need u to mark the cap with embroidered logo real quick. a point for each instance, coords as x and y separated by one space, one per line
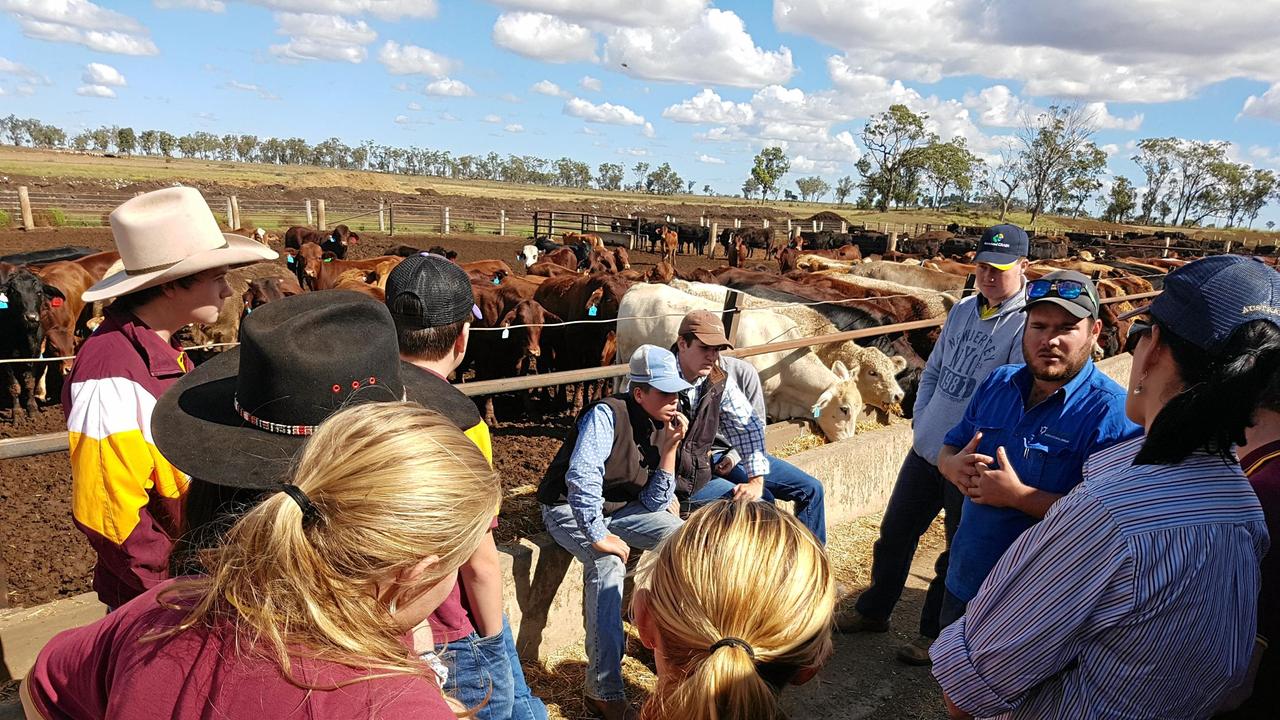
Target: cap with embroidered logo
1002 246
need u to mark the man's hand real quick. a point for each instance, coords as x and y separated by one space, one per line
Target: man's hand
962 468
613 545
751 490
999 486
672 433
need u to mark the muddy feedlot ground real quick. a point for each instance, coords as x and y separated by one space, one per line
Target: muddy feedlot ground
47 558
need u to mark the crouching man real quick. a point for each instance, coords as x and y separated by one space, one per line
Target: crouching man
610 488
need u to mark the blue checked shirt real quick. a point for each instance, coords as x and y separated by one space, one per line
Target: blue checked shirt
738 423
585 477
1135 597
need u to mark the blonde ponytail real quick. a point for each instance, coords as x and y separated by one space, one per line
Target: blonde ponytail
742 597
388 485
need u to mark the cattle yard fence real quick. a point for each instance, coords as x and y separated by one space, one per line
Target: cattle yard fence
58 442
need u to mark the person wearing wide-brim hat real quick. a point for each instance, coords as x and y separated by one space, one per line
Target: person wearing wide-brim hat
235 423
125 495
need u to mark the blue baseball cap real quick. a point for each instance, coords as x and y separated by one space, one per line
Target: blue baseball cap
656 367
1204 301
1002 246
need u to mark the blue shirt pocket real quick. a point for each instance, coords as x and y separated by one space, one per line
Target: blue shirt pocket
1050 465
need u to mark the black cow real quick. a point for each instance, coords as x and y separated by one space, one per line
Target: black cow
22 296
696 238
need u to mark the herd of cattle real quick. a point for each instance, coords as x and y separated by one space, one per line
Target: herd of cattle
579 304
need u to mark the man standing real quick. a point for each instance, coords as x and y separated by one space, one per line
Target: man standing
1025 435
982 333
126 497
715 404
611 487
433 305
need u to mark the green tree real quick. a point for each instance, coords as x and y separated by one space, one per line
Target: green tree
1121 201
47 136
1155 159
1194 165
1053 148
891 139
609 176
641 170
126 140
770 165
750 187
1271 225
844 188
245 145
947 165
706 189
663 181
812 188
166 142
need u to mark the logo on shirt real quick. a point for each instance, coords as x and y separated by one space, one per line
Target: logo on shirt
971 351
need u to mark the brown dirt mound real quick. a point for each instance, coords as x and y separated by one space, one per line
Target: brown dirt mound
826 216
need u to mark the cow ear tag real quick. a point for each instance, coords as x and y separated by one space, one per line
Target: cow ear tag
497 281
591 311
288 259
328 259
55 302
506 333
4 301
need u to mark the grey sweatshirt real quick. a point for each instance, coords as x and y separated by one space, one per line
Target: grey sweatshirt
968 349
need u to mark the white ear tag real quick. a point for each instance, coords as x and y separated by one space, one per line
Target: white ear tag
506 333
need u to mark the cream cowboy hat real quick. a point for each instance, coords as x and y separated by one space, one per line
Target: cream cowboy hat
169 234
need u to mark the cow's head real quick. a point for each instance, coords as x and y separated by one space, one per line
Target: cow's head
837 409
876 374
24 294
528 255
341 234
527 339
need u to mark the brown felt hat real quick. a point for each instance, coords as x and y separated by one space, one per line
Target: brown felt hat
706 326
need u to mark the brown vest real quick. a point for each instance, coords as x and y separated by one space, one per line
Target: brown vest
693 463
633 457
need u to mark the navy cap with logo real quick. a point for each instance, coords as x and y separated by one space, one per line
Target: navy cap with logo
1204 301
1002 246
430 291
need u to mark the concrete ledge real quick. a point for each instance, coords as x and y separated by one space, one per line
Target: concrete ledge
24 631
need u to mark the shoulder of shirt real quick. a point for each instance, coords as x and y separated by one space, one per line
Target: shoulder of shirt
448 400
108 354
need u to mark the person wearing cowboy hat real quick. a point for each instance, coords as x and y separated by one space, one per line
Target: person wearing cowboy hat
125 495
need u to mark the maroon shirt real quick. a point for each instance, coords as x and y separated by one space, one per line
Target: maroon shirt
104 670
1263 468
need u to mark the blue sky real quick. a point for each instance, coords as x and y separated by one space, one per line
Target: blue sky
701 85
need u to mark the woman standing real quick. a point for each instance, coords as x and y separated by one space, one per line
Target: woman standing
1136 596
308 605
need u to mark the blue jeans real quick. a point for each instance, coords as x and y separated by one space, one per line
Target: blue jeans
953 608
489 667
784 482
919 493
602 578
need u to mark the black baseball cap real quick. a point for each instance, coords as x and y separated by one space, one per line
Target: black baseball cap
1002 246
430 291
1060 288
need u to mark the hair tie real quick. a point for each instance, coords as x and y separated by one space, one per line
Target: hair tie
310 513
724 642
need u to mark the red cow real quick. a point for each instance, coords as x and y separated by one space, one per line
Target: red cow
591 298
267 289
491 271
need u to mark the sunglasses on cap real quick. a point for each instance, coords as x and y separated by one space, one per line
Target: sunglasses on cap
1065 289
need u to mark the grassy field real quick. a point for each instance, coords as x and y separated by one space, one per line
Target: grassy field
70 166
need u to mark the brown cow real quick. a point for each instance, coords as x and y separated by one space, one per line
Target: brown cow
359 281
601 262
589 298
670 243
788 256
374 270
64 319
564 257
591 240
98 263
490 271
549 269
514 351
267 289
621 258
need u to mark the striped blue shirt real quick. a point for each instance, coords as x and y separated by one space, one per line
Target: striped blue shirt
1135 597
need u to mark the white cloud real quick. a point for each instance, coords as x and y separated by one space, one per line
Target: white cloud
100 74
1267 106
544 37
415 106
448 87
101 91
606 113
648 130
588 130
1111 149
634 151
450 117
251 87
83 23
510 97
9 67
710 160
322 37
495 119
414 60
719 134
213 6
590 83
707 107
1090 50
546 87
383 9
997 106
1103 118
717 49
401 119
668 13
26 90
514 128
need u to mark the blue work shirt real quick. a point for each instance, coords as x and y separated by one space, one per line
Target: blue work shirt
1046 445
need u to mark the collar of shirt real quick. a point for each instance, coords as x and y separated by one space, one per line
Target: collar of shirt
1254 461
163 359
1023 380
1013 303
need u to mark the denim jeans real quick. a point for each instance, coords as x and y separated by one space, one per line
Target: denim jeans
953 608
487 667
784 482
602 578
918 494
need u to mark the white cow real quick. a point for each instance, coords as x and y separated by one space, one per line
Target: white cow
528 255
795 383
